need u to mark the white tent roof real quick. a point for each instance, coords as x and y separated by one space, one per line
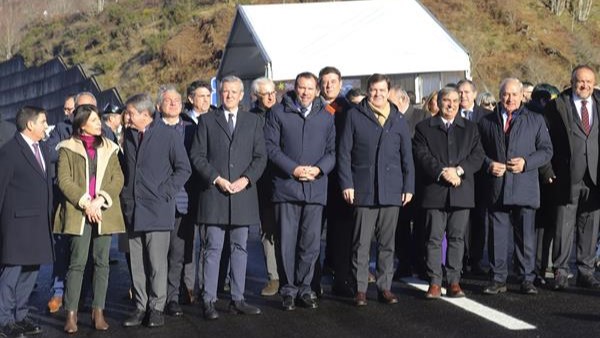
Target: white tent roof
358 37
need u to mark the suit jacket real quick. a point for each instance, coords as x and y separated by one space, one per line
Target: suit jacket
434 149
293 140
154 173
559 115
376 161
528 138
26 205
413 116
215 152
478 113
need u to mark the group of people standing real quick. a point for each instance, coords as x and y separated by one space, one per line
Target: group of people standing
372 169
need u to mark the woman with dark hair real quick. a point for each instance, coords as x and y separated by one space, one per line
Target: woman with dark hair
89 176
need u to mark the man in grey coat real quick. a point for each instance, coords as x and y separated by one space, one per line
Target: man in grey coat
228 152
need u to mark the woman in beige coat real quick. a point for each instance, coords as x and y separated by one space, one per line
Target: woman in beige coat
90 178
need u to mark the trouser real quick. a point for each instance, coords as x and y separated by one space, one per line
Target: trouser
148 251
269 234
580 217
80 249
16 284
181 243
300 226
238 258
454 223
522 222
475 236
338 251
406 245
191 266
380 221
61 263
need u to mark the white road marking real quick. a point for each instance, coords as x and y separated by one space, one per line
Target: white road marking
472 306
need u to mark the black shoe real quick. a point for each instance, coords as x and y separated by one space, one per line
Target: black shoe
12 330
210 312
343 290
29 327
528 288
288 303
174 309
135 319
241 307
156 318
561 281
589 282
494 288
477 270
308 301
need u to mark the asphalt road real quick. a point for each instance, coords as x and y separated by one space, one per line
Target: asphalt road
571 313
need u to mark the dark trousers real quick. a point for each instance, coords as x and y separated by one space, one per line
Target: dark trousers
454 223
181 246
475 236
300 227
338 249
16 284
61 263
580 217
521 220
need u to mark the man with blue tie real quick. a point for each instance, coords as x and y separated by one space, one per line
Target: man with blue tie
26 206
228 152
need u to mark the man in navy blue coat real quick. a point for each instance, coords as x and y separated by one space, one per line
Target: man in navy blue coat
156 167
516 144
300 140
377 176
25 210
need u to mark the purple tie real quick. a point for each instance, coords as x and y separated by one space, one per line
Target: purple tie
585 117
38 156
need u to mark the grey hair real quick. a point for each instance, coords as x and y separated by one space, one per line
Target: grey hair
231 78
400 92
509 80
76 98
444 92
141 102
162 89
485 98
261 81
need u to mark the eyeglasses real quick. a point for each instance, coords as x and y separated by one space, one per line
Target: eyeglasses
273 93
488 104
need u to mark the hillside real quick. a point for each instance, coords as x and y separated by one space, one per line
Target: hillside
136 44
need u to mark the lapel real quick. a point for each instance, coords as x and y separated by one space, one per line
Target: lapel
147 137
220 119
28 154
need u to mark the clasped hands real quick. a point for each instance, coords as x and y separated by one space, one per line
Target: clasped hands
450 175
514 165
93 211
232 187
306 173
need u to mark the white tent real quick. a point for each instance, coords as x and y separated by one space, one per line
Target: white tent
358 37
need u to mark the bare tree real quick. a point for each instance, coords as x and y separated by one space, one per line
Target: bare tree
558 6
8 24
581 10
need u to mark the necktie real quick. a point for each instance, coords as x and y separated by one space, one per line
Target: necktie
448 125
38 155
585 117
230 123
507 124
467 114
140 138
304 111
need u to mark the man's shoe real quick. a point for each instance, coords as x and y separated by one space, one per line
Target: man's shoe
307 301
54 304
156 318
434 292
288 303
455 291
241 307
174 309
210 312
360 299
589 282
477 270
561 281
29 327
342 290
135 319
387 297
528 288
12 330
271 288
494 288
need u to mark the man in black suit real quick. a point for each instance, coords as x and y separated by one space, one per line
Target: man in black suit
475 235
448 151
26 206
228 152
573 121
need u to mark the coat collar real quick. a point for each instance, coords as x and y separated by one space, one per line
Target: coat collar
436 121
28 153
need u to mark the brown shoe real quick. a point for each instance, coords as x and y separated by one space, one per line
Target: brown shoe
454 291
71 322
434 292
54 304
388 297
271 288
361 299
98 320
